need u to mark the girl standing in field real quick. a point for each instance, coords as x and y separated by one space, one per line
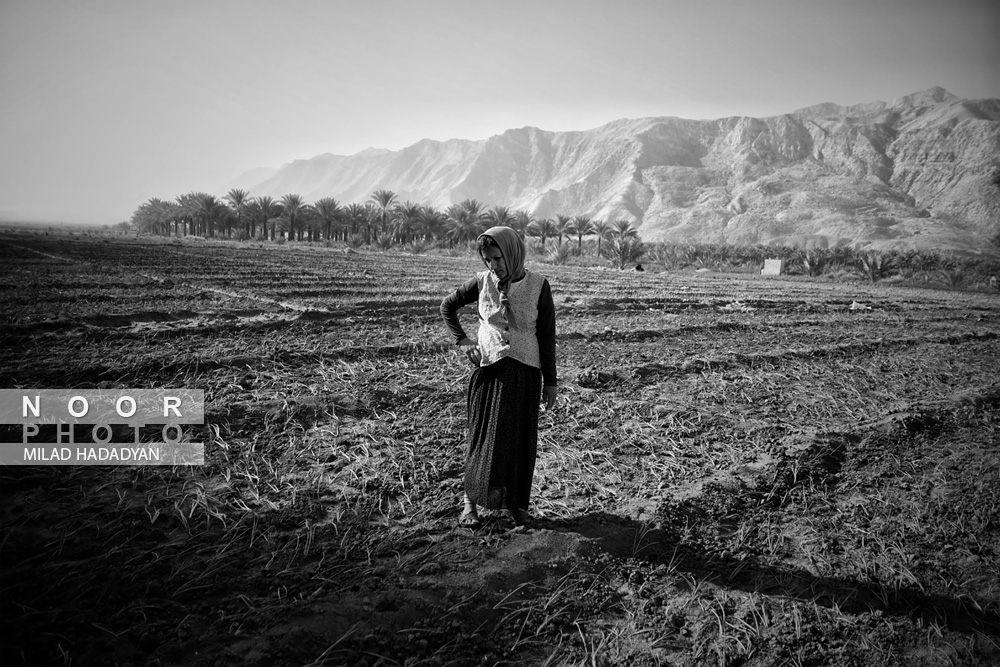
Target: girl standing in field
515 358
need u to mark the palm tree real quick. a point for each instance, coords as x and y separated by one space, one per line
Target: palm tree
355 214
475 208
311 222
562 225
542 229
188 205
624 229
226 221
522 220
238 201
603 231
211 210
464 221
170 212
383 200
499 216
294 206
143 219
167 212
265 209
185 206
370 220
433 223
329 212
582 226
407 217
203 209
155 216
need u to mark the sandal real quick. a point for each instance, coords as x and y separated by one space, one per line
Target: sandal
469 520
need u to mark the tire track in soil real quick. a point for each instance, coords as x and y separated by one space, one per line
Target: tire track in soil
288 305
49 255
219 320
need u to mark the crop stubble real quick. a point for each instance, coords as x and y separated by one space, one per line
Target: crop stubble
740 470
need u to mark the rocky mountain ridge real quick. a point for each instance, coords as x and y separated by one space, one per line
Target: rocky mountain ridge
922 171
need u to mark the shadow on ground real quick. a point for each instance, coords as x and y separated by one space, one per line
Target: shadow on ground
627 538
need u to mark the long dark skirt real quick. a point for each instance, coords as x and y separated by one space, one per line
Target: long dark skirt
503 405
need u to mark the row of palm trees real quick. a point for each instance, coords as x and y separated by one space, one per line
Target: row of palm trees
382 218
386 221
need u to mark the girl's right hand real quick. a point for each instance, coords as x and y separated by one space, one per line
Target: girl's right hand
471 350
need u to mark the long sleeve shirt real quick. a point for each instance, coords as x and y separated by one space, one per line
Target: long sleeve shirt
528 336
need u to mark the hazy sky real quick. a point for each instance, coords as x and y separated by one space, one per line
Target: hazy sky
105 104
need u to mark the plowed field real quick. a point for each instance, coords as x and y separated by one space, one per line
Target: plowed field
740 470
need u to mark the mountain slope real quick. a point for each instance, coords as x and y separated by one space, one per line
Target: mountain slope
922 171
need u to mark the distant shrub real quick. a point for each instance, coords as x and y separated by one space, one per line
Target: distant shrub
623 251
418 246
876 265
535 247
918 260
560 254
814 263
355 241
953 276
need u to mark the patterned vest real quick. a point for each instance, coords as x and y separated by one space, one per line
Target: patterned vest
498 337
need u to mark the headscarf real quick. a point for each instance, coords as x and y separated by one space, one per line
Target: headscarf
512 248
